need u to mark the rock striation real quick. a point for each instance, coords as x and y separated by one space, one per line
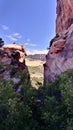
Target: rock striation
60 55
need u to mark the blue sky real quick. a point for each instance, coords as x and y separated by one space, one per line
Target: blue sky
28 22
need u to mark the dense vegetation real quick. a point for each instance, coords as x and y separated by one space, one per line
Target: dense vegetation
48 108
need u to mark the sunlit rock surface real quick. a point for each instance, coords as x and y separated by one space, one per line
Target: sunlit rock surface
60 54
12 60
64 15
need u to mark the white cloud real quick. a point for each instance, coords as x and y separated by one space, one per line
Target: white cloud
17 35
33 45
37 52
27 44
14 36
30 44
28 40
4 27
11 38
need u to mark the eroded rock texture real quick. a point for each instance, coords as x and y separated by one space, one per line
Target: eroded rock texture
60 55
12 60
64 15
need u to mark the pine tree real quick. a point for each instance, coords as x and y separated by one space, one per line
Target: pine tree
1 42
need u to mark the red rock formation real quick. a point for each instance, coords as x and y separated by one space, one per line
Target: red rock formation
64 15
12 56
16 48
12 63
60 55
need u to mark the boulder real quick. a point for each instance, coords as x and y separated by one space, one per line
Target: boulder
12 60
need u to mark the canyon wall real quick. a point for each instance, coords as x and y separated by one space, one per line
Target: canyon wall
60 54
64 12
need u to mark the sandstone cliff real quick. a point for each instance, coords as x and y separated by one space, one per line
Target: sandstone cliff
64 15
12 61
60 55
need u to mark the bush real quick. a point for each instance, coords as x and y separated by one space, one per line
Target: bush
54 107
48 108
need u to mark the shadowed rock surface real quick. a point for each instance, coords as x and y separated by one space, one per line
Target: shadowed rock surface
60 55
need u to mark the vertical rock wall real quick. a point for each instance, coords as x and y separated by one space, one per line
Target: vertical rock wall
60 55
64 12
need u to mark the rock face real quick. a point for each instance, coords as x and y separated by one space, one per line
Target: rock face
64 15
12 60
16 48
60 55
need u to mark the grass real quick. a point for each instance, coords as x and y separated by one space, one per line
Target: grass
35 68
